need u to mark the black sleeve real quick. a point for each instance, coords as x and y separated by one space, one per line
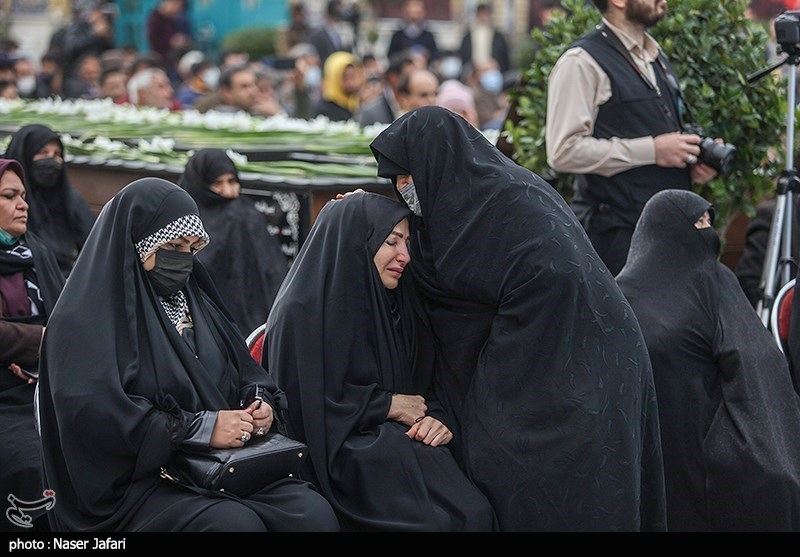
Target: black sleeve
196 431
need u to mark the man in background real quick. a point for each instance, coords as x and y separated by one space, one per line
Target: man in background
482 41
413 35
614 119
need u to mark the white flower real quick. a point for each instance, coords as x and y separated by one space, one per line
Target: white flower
157 145
237 158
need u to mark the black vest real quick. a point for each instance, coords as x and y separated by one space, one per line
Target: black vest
635 109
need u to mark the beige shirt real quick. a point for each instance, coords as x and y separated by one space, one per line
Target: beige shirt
481 36
576 89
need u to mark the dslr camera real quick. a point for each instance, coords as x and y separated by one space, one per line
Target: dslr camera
719 156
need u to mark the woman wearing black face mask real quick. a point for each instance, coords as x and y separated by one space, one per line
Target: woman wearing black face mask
141 360
730 419
58 214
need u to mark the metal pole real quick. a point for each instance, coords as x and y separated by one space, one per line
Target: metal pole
787 217
779 248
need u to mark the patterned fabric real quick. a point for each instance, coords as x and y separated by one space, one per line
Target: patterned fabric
189 225
176 305
18 258
177 309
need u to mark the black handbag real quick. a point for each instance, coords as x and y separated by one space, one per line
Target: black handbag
242 471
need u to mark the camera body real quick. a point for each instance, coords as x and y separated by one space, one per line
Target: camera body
719 156
787 30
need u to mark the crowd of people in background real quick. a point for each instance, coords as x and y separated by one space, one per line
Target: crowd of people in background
315 72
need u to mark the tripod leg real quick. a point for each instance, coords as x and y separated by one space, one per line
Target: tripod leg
767 286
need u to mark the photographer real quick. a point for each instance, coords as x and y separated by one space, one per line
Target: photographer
614 119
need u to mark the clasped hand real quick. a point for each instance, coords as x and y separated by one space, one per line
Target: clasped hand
410 410
232 426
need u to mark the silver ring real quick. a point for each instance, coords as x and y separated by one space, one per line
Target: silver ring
244 437
691 159
260 431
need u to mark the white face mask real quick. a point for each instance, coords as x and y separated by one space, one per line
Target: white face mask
211 77
26 84
450 68
313 77
409 195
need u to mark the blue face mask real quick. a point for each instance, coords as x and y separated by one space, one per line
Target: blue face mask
492 81
409 195
7 239
313 77
450 68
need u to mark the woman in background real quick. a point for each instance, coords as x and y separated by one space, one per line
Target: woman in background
57 214
342 81
730 419
244 259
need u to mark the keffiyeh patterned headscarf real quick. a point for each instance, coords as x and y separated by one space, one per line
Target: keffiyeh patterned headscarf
190 225
175 305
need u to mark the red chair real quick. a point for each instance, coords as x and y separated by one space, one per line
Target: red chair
781 313
255 342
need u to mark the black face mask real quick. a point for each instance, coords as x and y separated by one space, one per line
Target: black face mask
711 239
45 172
171 272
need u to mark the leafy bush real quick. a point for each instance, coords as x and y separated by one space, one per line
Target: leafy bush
713 47
255 41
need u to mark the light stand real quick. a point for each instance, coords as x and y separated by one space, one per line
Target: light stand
778 257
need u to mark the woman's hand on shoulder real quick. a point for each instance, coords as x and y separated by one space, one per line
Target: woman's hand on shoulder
430 431
407 409
343 195
233 428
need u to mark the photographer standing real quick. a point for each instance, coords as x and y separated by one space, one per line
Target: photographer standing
614 120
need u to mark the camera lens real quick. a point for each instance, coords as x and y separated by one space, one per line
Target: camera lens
719 156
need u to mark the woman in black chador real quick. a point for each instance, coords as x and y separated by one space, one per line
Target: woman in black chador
140 360
730 420
340 343
30 283
539 356
244 260
58 214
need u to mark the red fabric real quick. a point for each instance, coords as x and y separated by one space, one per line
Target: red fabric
784 314
257 348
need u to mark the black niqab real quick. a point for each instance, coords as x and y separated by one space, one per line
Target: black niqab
119 384
340 344
244 260
539 355
730 420
57 213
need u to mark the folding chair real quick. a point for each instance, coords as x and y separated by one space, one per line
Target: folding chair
781 313
255 342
